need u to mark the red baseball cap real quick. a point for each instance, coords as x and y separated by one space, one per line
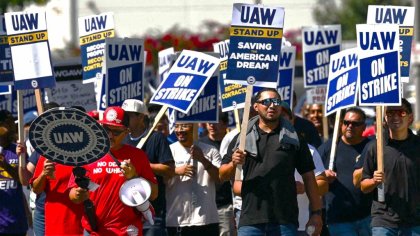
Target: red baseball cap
113 116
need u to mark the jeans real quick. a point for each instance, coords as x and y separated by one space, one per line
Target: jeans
158 229
226 220
388 231
268 229
355 228
237 217
39 222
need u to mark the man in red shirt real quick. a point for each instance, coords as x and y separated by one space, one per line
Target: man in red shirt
62 217
112 216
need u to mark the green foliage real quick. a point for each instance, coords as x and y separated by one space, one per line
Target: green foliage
4 4
348 13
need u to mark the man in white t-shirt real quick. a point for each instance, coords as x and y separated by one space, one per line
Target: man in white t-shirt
190 195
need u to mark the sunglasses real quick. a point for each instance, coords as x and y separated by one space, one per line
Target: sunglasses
400 113
113 131
267 102
353 123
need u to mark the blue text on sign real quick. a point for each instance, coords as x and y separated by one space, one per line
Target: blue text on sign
390 15
124 52
25 22
377 40
285 59
318 37
195 64
344 62
95 23
258 15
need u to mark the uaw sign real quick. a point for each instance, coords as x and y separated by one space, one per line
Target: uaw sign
205 108
69 137
319 43
28 39
124 70
342 81
6 65
404 17
379 69
187 78
287 74
92 32
255 40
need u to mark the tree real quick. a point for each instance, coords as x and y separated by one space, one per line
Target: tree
348 13
5 4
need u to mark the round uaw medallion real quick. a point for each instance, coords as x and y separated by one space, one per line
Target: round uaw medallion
68 136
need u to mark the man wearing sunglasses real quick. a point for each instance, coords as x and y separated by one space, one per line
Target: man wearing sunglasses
124 162
347 208
399 214
273 151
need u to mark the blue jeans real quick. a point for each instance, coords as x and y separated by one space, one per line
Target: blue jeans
158 229
387 231
268 229
355 228
39 222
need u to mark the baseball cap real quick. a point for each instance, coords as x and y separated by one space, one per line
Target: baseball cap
134 105
28 117
94 114
114 116
286 106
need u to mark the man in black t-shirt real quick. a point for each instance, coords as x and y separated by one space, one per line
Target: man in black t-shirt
159 154
399 214
272 153
347 208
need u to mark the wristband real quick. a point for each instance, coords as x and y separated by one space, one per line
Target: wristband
316 212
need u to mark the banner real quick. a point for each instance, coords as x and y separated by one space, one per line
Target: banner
287 74
404 17
255 40
205 108
28 39
124 70
377 50
6 65
69 89
318 44
187 78
92 32
342 81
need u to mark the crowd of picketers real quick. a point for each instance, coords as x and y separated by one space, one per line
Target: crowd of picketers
284 182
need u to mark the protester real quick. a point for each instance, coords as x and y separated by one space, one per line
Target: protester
215 134
399 214
158 153
315 115
37 201
272 153
321 180
190 195
304 128
113 217
347 208
13 220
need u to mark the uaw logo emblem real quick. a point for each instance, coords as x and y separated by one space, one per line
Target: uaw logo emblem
68 136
